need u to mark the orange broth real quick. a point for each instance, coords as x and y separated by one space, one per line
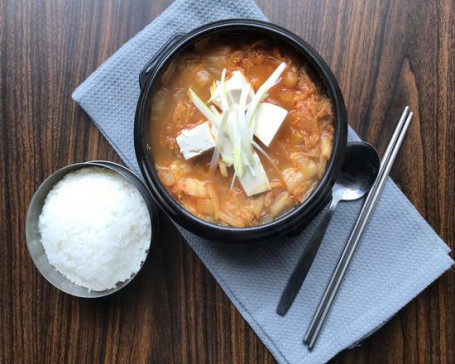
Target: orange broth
300 150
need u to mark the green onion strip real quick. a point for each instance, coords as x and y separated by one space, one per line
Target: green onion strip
237 122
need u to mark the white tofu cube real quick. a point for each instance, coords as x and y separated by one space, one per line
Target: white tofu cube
234 87
195 141
254 179
269 118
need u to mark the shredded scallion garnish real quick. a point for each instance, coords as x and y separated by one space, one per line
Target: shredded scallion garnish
203 108
235 123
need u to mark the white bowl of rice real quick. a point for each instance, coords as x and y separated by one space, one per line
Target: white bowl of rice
89 228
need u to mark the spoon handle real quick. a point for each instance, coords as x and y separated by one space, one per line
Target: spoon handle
305 261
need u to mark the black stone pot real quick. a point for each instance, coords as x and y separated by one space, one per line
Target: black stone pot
292 222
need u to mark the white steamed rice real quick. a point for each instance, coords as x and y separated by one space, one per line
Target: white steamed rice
95 228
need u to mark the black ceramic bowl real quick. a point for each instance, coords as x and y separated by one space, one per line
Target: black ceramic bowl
293 221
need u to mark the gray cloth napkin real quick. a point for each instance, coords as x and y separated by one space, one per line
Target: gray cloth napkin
398 257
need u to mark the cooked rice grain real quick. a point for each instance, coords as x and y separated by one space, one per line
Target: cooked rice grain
95 228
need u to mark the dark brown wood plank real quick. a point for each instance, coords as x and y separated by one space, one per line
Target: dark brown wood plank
385 54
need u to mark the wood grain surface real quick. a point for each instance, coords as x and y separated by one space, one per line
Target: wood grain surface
385 54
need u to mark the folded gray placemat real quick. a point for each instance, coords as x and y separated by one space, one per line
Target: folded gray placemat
398 257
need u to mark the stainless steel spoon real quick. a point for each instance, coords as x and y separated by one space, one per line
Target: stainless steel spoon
358 173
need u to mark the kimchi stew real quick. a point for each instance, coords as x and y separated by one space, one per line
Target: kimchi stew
241 130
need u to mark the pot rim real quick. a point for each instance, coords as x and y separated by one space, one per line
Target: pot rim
177 212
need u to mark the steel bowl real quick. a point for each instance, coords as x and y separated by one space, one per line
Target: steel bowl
34 239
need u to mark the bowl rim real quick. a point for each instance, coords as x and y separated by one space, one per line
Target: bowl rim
32 234
165 200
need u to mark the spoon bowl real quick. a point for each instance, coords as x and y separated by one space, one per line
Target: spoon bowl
358 171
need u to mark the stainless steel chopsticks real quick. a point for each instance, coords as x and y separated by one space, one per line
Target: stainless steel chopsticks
348 252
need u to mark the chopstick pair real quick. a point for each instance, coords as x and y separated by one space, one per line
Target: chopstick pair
343 263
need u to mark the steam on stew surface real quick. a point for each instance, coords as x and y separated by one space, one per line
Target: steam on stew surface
241 131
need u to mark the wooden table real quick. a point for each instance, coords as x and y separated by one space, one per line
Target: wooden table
385 54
